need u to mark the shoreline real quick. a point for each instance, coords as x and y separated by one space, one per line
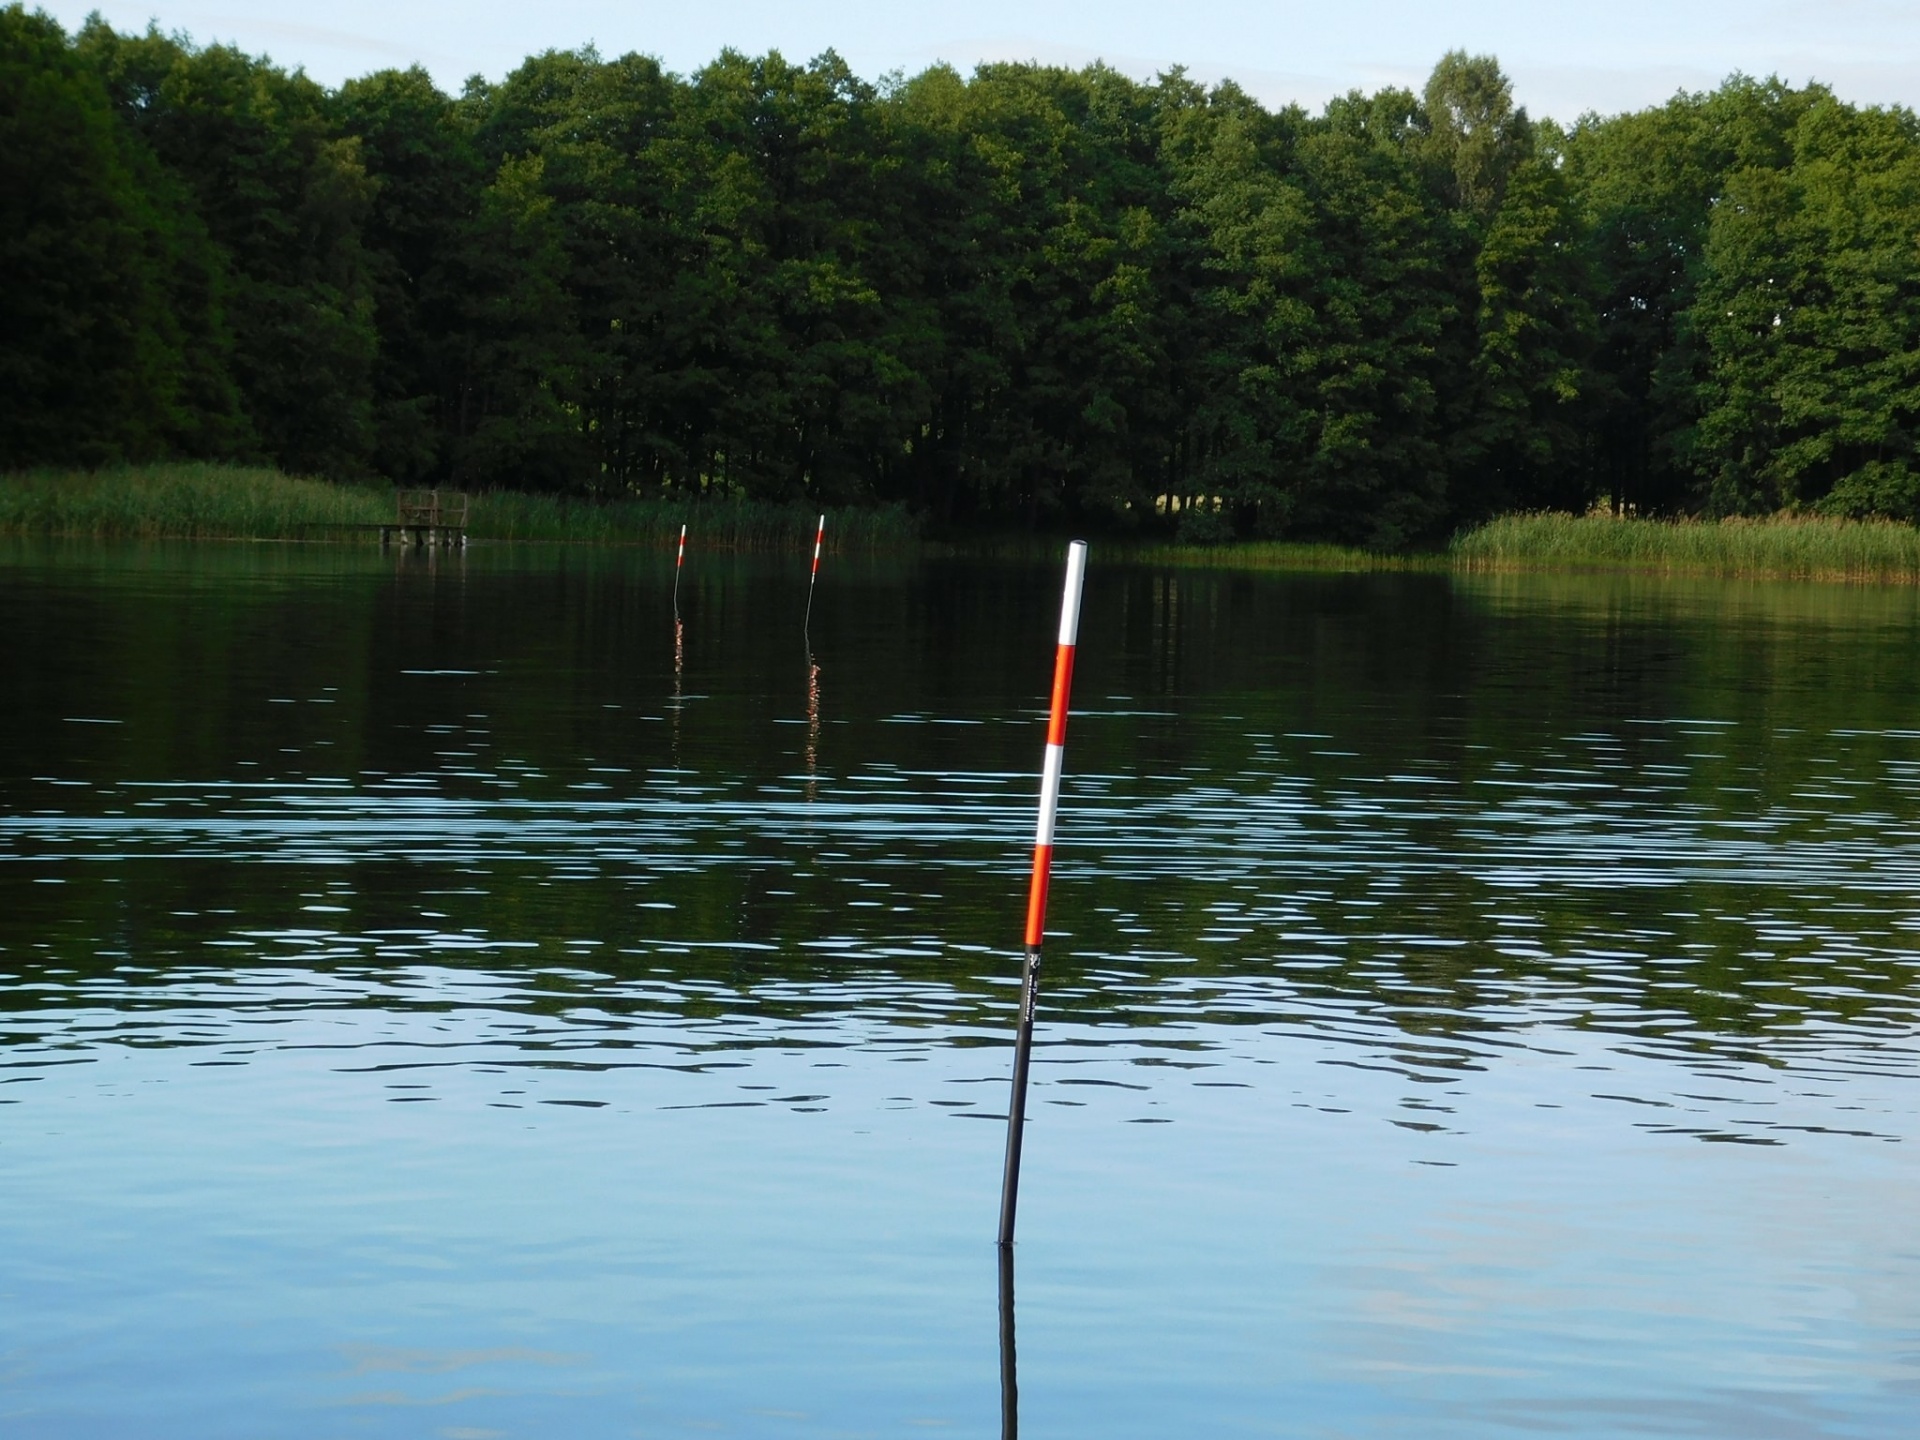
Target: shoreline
192 502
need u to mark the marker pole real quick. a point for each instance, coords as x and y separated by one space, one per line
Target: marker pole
806 625
679 562
1042 873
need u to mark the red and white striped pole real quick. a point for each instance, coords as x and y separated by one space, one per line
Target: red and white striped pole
1042 872
819 536
679 562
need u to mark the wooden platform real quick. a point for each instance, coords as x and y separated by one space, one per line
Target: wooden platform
425 518
429 517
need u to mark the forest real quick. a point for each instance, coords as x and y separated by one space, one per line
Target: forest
1022 298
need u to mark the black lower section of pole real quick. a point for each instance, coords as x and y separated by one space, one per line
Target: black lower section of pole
1017 1106
1009 1367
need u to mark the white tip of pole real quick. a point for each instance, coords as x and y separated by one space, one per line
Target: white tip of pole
1070 601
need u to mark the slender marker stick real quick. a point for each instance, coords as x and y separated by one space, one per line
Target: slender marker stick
1042 873
819 535
679 561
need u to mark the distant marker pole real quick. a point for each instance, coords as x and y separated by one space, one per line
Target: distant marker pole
806 625
1042 872
679 563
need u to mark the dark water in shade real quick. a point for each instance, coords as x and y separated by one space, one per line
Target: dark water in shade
1478 1007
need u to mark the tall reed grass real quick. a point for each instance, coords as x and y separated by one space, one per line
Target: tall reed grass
195 501
182 501
1781 548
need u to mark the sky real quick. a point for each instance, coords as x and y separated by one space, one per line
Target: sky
1564 59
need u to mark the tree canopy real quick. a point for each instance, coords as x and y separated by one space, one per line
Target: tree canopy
1021 297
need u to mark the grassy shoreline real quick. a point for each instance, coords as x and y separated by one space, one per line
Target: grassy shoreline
225 502
1775 548
185 502
197 501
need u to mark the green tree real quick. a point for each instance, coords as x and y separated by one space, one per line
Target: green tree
1809 317
419 234
1647 186
112 343
1474 131
1523 443
283 197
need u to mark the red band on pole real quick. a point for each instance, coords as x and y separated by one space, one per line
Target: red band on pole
681 558
1062 688
818 536
1037 895
1056 747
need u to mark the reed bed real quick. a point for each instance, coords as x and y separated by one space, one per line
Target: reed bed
1779 548
232 502
189 501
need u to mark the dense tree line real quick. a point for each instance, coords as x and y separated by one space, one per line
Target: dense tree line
1028 294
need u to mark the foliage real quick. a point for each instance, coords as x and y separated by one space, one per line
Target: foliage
282 198
1809 310
110 334
1026 297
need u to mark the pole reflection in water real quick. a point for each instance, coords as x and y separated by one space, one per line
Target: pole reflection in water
679 677
813 726
1009 1366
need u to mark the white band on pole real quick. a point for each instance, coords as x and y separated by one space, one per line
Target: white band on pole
1049 794
1070 600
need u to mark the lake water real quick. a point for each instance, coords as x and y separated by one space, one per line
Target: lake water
439 999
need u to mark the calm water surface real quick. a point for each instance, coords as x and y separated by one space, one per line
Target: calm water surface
438 999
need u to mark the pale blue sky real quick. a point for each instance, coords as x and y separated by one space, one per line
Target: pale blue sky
1564 59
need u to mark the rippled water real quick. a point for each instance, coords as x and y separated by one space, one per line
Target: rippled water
441 999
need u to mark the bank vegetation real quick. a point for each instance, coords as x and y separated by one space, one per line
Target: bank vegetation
206 501
1022 298
198 501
